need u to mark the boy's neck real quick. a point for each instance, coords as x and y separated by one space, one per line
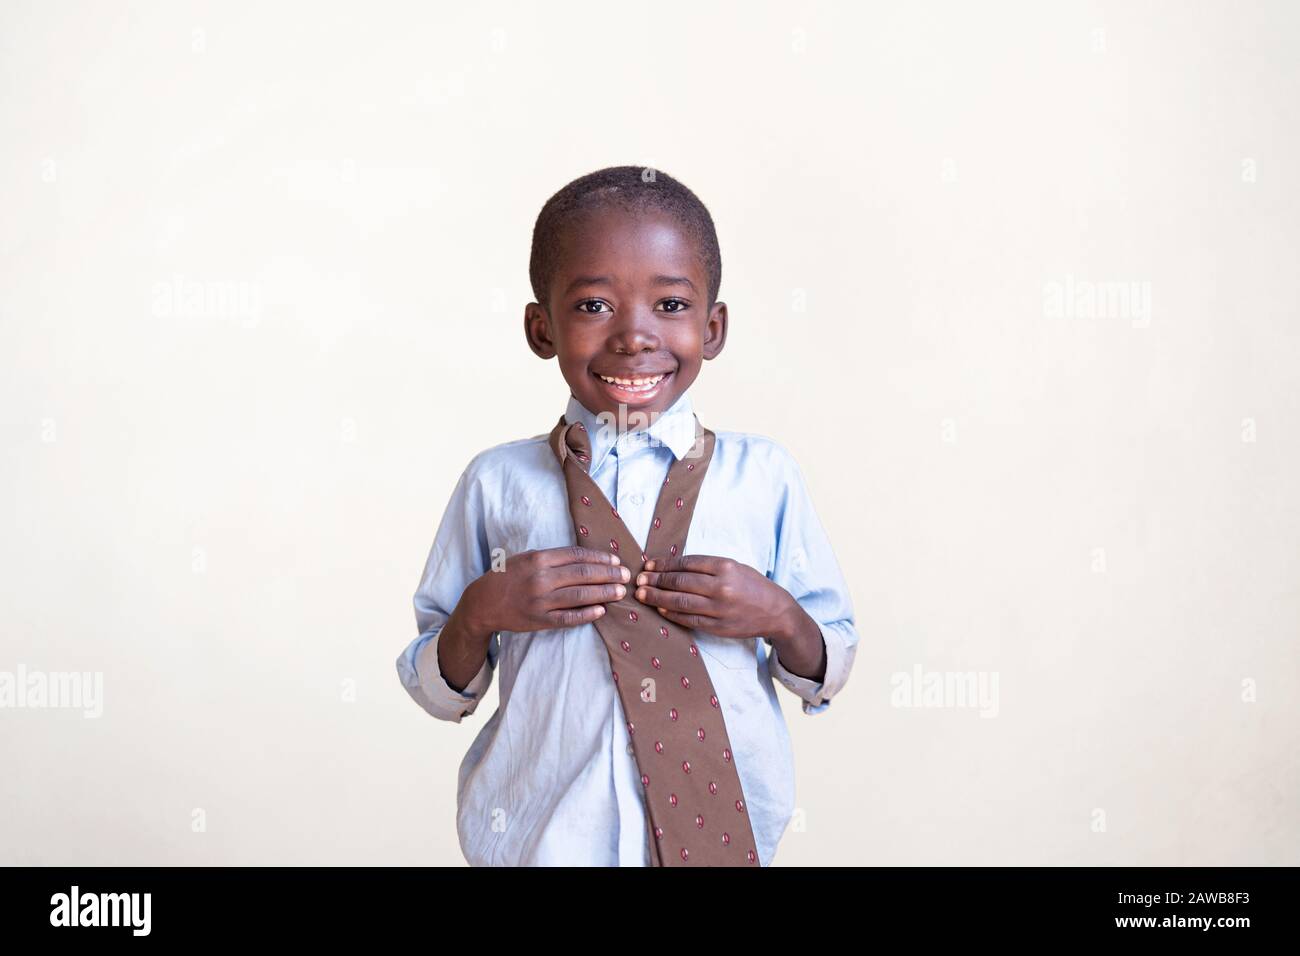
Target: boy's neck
627 419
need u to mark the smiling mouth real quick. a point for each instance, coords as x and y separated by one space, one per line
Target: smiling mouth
636 387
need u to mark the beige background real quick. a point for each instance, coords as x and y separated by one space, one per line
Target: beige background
223 501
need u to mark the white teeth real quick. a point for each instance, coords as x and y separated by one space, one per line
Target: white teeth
633 384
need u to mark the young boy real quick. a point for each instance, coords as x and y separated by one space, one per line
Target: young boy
684 758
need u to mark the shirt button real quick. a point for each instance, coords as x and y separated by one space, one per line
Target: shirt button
638 498
630 750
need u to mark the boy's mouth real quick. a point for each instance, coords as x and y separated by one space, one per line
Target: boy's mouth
633 389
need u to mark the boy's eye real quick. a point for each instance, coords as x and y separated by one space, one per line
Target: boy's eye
597 306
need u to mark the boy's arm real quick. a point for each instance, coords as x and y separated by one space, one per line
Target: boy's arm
804 564
459 556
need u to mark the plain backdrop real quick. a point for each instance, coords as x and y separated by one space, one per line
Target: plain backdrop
263 278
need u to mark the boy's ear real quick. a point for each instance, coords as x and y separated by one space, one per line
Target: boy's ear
715 331
537 329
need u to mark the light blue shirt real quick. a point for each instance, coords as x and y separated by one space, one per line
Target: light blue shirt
551 779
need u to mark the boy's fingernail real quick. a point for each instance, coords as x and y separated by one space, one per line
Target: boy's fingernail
641 579
627 573
616 560
620 590
649 565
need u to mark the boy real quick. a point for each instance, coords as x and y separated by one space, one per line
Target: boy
684 758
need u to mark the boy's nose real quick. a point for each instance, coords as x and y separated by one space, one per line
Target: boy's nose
637 332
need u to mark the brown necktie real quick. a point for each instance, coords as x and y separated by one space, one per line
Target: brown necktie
695 806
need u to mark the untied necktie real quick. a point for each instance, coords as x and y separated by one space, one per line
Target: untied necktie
695 806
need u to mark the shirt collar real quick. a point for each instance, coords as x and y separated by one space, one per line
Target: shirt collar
674 428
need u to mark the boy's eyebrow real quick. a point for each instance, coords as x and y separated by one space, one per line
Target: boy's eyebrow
605 280
674 280
586 280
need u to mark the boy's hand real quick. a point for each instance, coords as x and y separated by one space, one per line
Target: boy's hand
716 595
550 588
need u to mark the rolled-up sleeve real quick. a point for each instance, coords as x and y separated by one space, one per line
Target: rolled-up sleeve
459 555
805 565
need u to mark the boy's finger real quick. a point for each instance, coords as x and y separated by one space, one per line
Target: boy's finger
576 554
674 600
692 621
575 616
678 581
700 563
585 595
588 573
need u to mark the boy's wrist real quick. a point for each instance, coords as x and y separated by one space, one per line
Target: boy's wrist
799 643
474 613
787 621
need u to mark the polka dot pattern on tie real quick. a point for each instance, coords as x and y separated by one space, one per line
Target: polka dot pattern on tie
694 799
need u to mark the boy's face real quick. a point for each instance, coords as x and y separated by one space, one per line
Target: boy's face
629 300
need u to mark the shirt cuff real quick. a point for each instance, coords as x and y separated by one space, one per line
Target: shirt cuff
813 693
424 681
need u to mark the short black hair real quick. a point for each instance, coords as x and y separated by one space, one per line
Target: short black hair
638 189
